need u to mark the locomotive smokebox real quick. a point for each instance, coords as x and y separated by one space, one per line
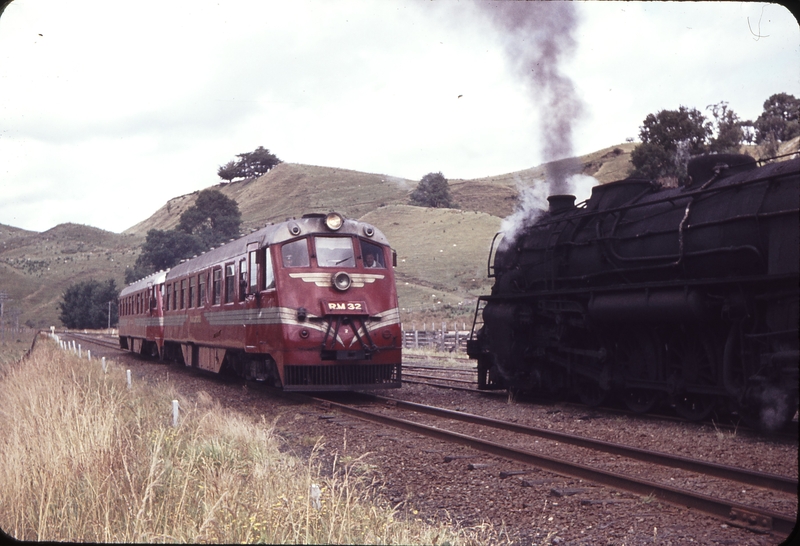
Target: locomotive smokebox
561 203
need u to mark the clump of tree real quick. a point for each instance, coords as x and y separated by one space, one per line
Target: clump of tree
86 304
432 191
250 164
212 220
779 122
670 137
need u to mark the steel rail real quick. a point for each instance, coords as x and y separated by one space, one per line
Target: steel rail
420 376
92 339
753 518
453 387
749 477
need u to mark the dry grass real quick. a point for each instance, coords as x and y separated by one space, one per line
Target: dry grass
87 459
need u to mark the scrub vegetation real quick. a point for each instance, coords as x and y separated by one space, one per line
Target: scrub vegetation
87 459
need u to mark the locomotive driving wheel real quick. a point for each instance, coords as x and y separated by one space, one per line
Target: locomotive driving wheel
638 358
690 362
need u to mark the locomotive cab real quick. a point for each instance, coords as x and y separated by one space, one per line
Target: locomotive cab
341 290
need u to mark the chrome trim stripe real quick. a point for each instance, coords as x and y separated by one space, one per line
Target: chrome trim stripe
173 320
357 280
268 315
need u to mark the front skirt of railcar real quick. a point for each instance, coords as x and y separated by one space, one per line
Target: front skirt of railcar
357 352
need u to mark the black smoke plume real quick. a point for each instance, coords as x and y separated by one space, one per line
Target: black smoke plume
539 37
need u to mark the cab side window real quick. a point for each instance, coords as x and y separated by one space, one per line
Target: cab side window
269 276
295 254
372 256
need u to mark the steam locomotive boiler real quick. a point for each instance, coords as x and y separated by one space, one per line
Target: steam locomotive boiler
685 296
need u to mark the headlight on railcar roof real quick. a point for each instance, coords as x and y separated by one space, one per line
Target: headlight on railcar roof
334 221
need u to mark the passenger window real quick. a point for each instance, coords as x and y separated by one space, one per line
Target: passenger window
169 296
192 291
295 254
217 286
201 291
372 256
242 279
335 252
230 282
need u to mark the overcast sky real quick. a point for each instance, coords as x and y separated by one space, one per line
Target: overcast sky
110 108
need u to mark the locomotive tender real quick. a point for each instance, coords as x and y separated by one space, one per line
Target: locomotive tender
307 305
686 296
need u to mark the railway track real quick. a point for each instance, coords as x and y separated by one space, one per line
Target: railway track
107 341
755 518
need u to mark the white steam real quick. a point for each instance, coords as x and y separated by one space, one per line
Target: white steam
533 203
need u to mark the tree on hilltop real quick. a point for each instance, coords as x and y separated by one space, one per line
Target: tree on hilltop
669 138
250 164
432 191
779 122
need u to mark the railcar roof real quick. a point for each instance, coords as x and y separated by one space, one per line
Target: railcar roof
269 235
141 284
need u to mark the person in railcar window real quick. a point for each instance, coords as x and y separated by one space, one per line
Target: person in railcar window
372 256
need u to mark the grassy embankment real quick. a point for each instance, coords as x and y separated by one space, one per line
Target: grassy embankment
87 459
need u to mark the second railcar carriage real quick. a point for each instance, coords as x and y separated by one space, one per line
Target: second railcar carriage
687 295
307 304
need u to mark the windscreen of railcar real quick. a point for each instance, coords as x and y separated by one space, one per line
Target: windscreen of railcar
335 252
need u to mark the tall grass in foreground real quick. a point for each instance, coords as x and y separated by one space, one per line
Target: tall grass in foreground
83 458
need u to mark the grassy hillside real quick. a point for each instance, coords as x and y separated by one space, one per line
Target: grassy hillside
442 253
441 259
36 268
292 190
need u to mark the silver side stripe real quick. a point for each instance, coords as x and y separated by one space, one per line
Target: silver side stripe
357 280
273 315
172 320
269 315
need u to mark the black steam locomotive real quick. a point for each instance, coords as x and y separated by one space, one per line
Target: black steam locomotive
684 296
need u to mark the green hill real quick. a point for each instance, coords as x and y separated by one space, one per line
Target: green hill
36 268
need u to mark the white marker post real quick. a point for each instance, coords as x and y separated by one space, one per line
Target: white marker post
104 364
88 354
129 379
175 412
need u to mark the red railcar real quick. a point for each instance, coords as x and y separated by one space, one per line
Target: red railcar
140 315
306 304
